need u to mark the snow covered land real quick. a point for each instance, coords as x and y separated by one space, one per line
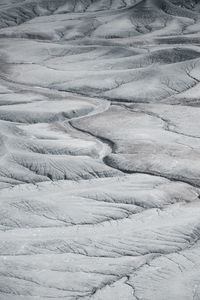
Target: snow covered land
100 149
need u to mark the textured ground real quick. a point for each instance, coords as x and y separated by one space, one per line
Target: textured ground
100 149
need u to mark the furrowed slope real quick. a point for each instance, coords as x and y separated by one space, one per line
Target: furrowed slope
99 149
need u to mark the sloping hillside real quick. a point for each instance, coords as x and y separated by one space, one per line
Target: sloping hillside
100 149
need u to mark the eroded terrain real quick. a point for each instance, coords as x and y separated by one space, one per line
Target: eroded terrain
100 149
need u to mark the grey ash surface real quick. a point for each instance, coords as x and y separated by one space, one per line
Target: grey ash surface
100 149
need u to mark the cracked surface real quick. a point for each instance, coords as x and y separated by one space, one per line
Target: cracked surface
99 150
